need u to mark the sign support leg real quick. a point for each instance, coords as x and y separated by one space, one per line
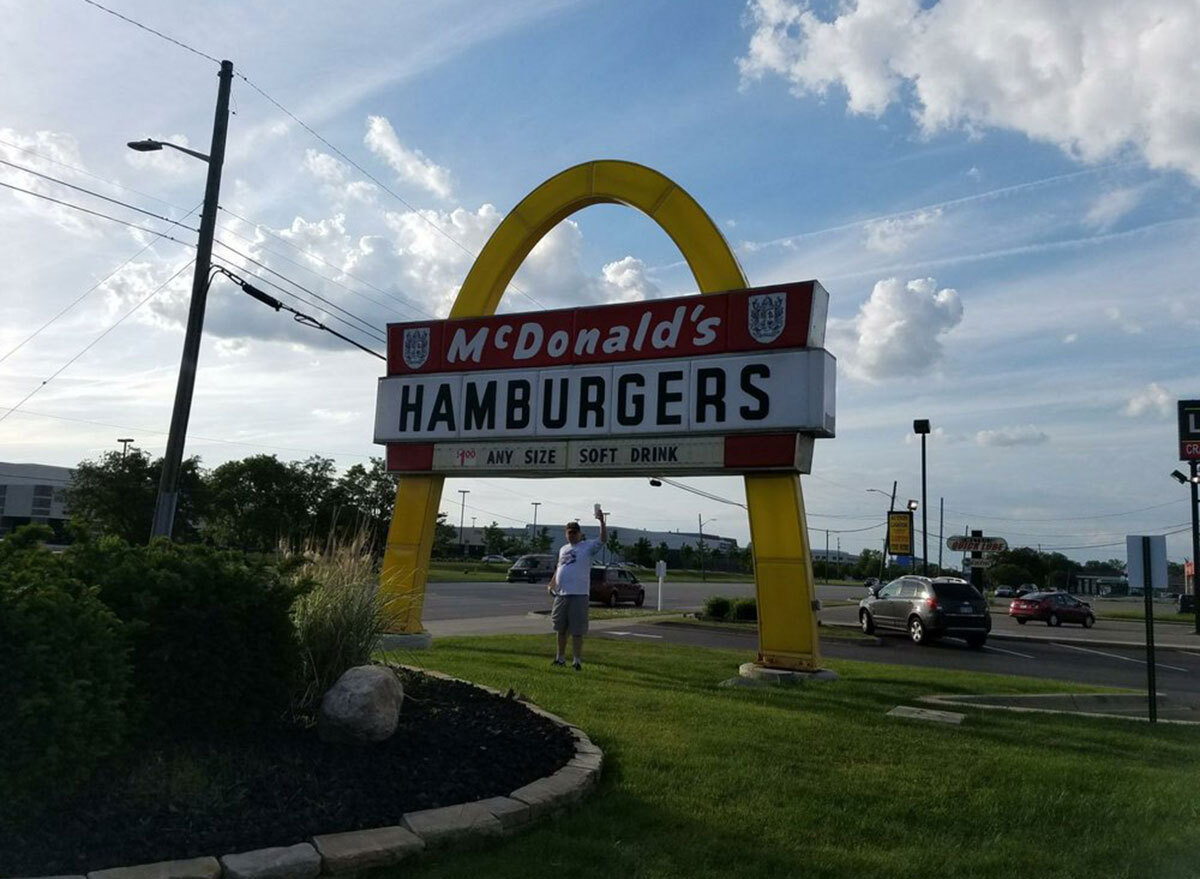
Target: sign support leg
783 576
406 557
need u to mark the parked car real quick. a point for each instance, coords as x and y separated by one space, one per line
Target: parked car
1185 604
871 582
1053 608
614 584
928 609
532 569
493 558
1005 592
1026 589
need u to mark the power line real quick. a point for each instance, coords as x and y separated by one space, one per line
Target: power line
312 271
151 30
1062 518
88 173
84 210
90 192
90 344
191 436
86 293
370 330
299 317
375 180
406 300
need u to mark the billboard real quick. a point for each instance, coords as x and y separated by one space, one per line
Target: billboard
728 382
1189 430
900 533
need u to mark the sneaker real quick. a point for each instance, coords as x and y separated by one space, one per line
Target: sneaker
558 661
577 665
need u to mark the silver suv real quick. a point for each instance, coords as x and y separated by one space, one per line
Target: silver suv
927 609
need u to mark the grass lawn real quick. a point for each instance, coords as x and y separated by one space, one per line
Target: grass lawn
467 572
620 613
1159 617
703 781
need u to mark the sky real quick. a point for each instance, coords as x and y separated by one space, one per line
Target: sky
1002 199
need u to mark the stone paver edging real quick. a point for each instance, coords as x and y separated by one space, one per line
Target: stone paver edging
460 826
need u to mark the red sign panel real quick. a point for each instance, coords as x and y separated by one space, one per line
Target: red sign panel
761 318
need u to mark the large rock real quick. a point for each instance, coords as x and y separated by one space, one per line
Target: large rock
363 706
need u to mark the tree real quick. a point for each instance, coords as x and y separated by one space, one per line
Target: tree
687 555
445 537
115 494
493 540
542 542
260 502
361 504
643 552
1009 575
660 554
614 544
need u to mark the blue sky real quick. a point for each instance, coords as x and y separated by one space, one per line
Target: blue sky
1002 203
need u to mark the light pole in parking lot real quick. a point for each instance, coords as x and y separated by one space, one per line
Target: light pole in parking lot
921 427
891 507
1193 481
912 561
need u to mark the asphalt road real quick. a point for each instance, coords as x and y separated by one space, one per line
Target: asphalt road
1069 653
1177 671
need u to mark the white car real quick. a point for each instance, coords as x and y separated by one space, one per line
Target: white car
494 558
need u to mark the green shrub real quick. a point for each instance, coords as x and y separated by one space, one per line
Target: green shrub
339 618
64 673
745 610
214 651
717 607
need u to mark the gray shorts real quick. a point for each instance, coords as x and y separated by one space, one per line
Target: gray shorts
570 614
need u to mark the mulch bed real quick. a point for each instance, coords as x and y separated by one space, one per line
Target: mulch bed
454 744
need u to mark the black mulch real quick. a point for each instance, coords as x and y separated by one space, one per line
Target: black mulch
455 743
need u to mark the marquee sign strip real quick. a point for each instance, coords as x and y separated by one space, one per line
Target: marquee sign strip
683 455
755 319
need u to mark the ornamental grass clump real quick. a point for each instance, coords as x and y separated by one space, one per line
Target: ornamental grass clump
339 618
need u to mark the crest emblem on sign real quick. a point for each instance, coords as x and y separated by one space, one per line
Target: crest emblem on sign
416 347
768 314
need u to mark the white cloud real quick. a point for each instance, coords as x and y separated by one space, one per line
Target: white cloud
335 416
1127 325
627 282
1070 338
1027 435
60 150
1112 205
893 235
897 330
334 175
1093 77
1152 399
410 166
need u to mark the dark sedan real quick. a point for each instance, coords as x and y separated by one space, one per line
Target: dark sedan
1052 608
927 609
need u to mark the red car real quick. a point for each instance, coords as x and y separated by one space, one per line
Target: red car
1052 608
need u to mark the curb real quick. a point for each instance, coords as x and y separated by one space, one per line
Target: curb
461 826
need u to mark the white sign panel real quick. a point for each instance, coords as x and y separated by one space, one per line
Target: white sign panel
1135 562
790 390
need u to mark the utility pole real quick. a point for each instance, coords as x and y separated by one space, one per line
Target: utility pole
941 528
535 504
891 508
168 486
462 509
124 441
838 574
1195 543
700 545
825 566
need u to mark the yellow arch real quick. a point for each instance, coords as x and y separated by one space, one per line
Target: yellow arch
787 626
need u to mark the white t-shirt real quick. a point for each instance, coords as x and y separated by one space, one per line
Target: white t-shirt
575 567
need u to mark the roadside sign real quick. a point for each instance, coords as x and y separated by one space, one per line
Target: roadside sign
1136 566
978 562
900 532
660 569
1189 430
962 543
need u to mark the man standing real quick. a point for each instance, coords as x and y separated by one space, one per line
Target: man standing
573 579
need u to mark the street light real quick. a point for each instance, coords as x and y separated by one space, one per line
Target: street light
912 508
1193 482
700 527
891 506
921 427
168 485
124 441
462 538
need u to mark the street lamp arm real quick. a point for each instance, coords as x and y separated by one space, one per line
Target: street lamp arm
150 145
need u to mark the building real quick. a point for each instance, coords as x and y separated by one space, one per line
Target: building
33 493
472 537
